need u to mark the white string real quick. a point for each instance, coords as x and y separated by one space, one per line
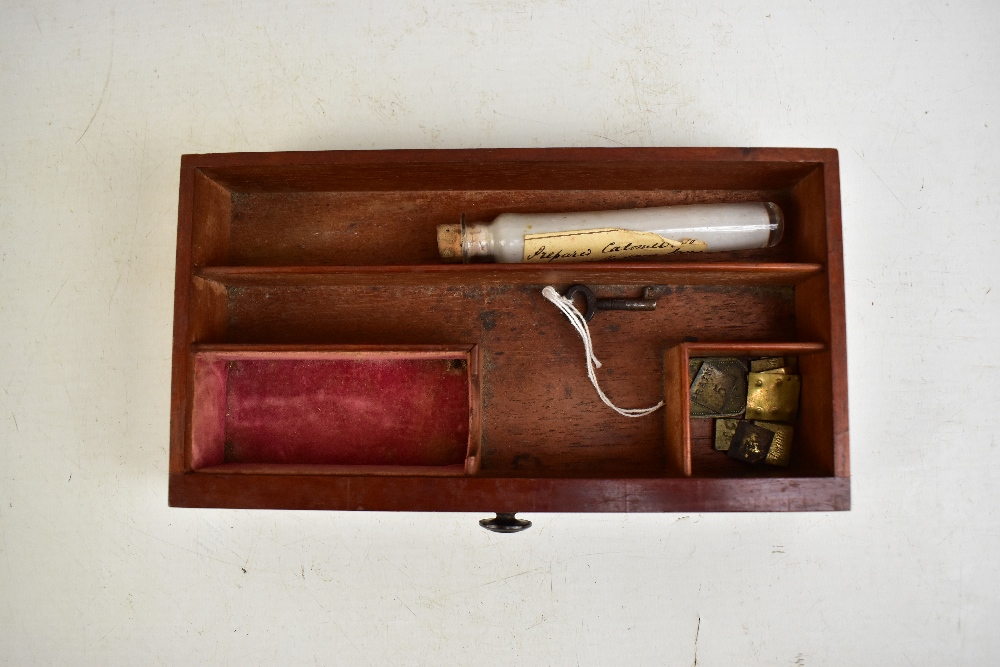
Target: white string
580 324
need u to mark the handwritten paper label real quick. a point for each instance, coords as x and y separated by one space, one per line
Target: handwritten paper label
590 245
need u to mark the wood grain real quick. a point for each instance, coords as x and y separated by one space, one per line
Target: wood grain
489 494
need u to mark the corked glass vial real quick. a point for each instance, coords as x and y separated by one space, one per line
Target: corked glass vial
636 234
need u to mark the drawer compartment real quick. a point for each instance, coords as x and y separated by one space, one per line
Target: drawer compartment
375 410
690 440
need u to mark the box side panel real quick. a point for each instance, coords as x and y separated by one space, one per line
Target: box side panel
478 494
838 317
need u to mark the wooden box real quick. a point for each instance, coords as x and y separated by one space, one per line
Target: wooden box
322 258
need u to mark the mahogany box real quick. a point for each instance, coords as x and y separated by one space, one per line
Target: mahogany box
324 356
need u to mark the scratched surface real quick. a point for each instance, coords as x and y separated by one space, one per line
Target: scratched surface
98 100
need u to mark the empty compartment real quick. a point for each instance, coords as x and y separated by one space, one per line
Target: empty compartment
410 410
690 441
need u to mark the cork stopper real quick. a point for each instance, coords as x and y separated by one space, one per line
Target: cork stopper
449 239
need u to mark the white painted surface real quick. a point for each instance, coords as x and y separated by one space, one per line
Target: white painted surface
97 103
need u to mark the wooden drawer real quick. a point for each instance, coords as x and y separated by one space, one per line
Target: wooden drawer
322 253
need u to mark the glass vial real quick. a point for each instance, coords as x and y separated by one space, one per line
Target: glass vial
637 234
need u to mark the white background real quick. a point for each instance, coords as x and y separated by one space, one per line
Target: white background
98 102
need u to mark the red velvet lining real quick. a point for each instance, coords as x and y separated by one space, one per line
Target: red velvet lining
358 411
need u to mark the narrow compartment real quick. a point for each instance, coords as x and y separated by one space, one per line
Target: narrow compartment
402 410
350 211
690 440
400 228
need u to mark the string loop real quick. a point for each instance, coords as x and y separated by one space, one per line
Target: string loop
580 324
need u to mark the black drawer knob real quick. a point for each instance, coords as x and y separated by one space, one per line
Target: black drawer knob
504 522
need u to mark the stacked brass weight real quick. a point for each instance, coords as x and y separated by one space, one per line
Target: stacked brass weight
718 387
781 445
771 397
751 443
725 429
773 394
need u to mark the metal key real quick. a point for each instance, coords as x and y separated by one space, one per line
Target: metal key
594 304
